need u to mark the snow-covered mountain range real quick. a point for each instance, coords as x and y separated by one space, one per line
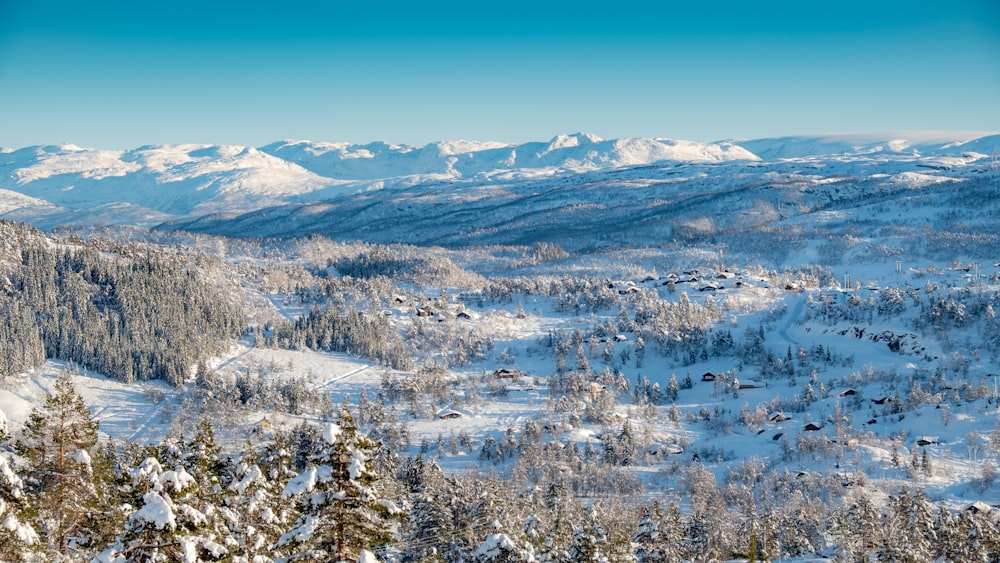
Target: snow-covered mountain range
56 185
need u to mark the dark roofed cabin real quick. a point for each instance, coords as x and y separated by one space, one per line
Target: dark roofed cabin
505 373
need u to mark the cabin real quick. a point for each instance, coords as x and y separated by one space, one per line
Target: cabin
262 427
506 373
708 376
779 417
614 417
663 450
597 388
979 507
448 414
812 427
882 400
927 440
848 393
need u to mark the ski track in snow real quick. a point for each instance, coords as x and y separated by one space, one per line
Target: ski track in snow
338 379
793 317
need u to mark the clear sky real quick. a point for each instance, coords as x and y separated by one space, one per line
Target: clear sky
117 74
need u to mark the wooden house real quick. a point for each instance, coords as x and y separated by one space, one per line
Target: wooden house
506 373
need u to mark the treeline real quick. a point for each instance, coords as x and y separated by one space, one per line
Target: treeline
333 329
331 492
137 314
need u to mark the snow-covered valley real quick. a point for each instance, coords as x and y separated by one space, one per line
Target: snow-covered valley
782 339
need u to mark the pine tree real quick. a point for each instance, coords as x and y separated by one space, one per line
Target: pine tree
907 528
342 513
165 526
57 439
559 522
658 537
490 450
587 543
499 548
431 522
4 427
17 537
212 472
253 496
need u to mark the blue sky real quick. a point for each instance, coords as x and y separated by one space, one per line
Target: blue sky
114 74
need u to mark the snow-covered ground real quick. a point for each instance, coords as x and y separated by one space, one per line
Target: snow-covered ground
862 441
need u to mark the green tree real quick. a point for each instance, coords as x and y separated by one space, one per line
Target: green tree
342 513
57 439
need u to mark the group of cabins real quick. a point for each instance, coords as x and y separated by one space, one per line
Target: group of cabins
701 280
499 373
434 308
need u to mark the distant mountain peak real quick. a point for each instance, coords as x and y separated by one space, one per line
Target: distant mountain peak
574 140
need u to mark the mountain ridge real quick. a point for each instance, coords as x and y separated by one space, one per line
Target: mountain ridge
64 184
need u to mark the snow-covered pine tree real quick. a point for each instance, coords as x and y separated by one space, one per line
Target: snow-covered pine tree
165 527
17 538
588 542
211 472
431 526
4 427
253 498
659 536
560 517
918 526
951 542
57 439
342 514
499 548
